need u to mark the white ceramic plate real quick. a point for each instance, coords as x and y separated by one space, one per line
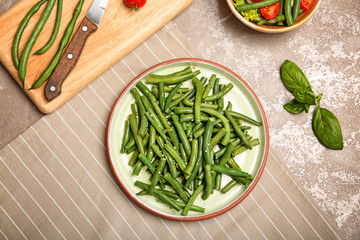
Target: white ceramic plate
252 161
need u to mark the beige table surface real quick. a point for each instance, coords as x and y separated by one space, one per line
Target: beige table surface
327 48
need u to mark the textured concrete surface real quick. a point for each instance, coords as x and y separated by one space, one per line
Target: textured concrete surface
327 48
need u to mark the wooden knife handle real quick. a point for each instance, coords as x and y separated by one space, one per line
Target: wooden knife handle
69 59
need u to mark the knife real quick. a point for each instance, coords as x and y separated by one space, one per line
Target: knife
73 51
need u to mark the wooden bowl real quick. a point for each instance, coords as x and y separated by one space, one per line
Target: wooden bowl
302 18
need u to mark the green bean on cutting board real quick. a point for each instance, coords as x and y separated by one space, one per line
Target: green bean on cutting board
32 39
63 42
55 31
20 31
179 147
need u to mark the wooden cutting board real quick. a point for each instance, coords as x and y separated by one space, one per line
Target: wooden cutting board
120 31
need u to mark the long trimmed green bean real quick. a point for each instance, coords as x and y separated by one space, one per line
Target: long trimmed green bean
22 26
192 200
55 31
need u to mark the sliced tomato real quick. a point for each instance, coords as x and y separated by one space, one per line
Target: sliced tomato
270 12
306 4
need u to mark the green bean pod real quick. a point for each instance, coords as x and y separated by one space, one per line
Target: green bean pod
192 159
20 31
126 136
32 39
146 91
219 94
186 70
230 171
143 119
224 121
208 181
207 138
296 8
255 5
172 80
177 186
63 42
137 137
161 96
182 135
157 175
209 86
288 14
238 131
168 101
192 199
198 88
55 31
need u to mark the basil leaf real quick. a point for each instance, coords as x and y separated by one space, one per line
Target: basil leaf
294 106
293 77
304 95
327 129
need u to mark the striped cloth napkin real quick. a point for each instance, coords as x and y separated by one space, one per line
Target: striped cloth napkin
55 180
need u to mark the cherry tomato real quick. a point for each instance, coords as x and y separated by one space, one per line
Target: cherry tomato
306 4
135 4
270 12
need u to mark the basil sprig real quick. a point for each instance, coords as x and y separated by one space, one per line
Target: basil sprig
325 125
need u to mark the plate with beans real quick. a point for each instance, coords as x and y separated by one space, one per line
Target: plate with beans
187 139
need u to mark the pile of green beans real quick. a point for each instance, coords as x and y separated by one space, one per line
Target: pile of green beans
174 139
21 62
289 11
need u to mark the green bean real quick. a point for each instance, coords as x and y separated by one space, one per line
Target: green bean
266 22
137 137
208 181
197 126
218 179
167 89
217 137
255 5
126 136
182 152
153 123
183 110
174 137
198 88
176 155
150 109
191 117
147 163
157 175
146 91
229 186
296 8
221 100
160 141
199 132
242 149
224 121
157 150
209 86
207 138
244 117
168 193
168 101
219 94
187 95
192 208
184 140
238 131
192 159
198 163
32 39
189 129
216 88
159 195
280 15
135 111
177 186
152 140
172 80
159 113
137 168
63 42
221 152
171 163
288 15
230 171
20 31
133 158
161 96
192 199
229 106
208 105
55 31
229 149
174 74
143 119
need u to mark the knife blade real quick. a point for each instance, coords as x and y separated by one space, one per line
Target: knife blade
74 49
